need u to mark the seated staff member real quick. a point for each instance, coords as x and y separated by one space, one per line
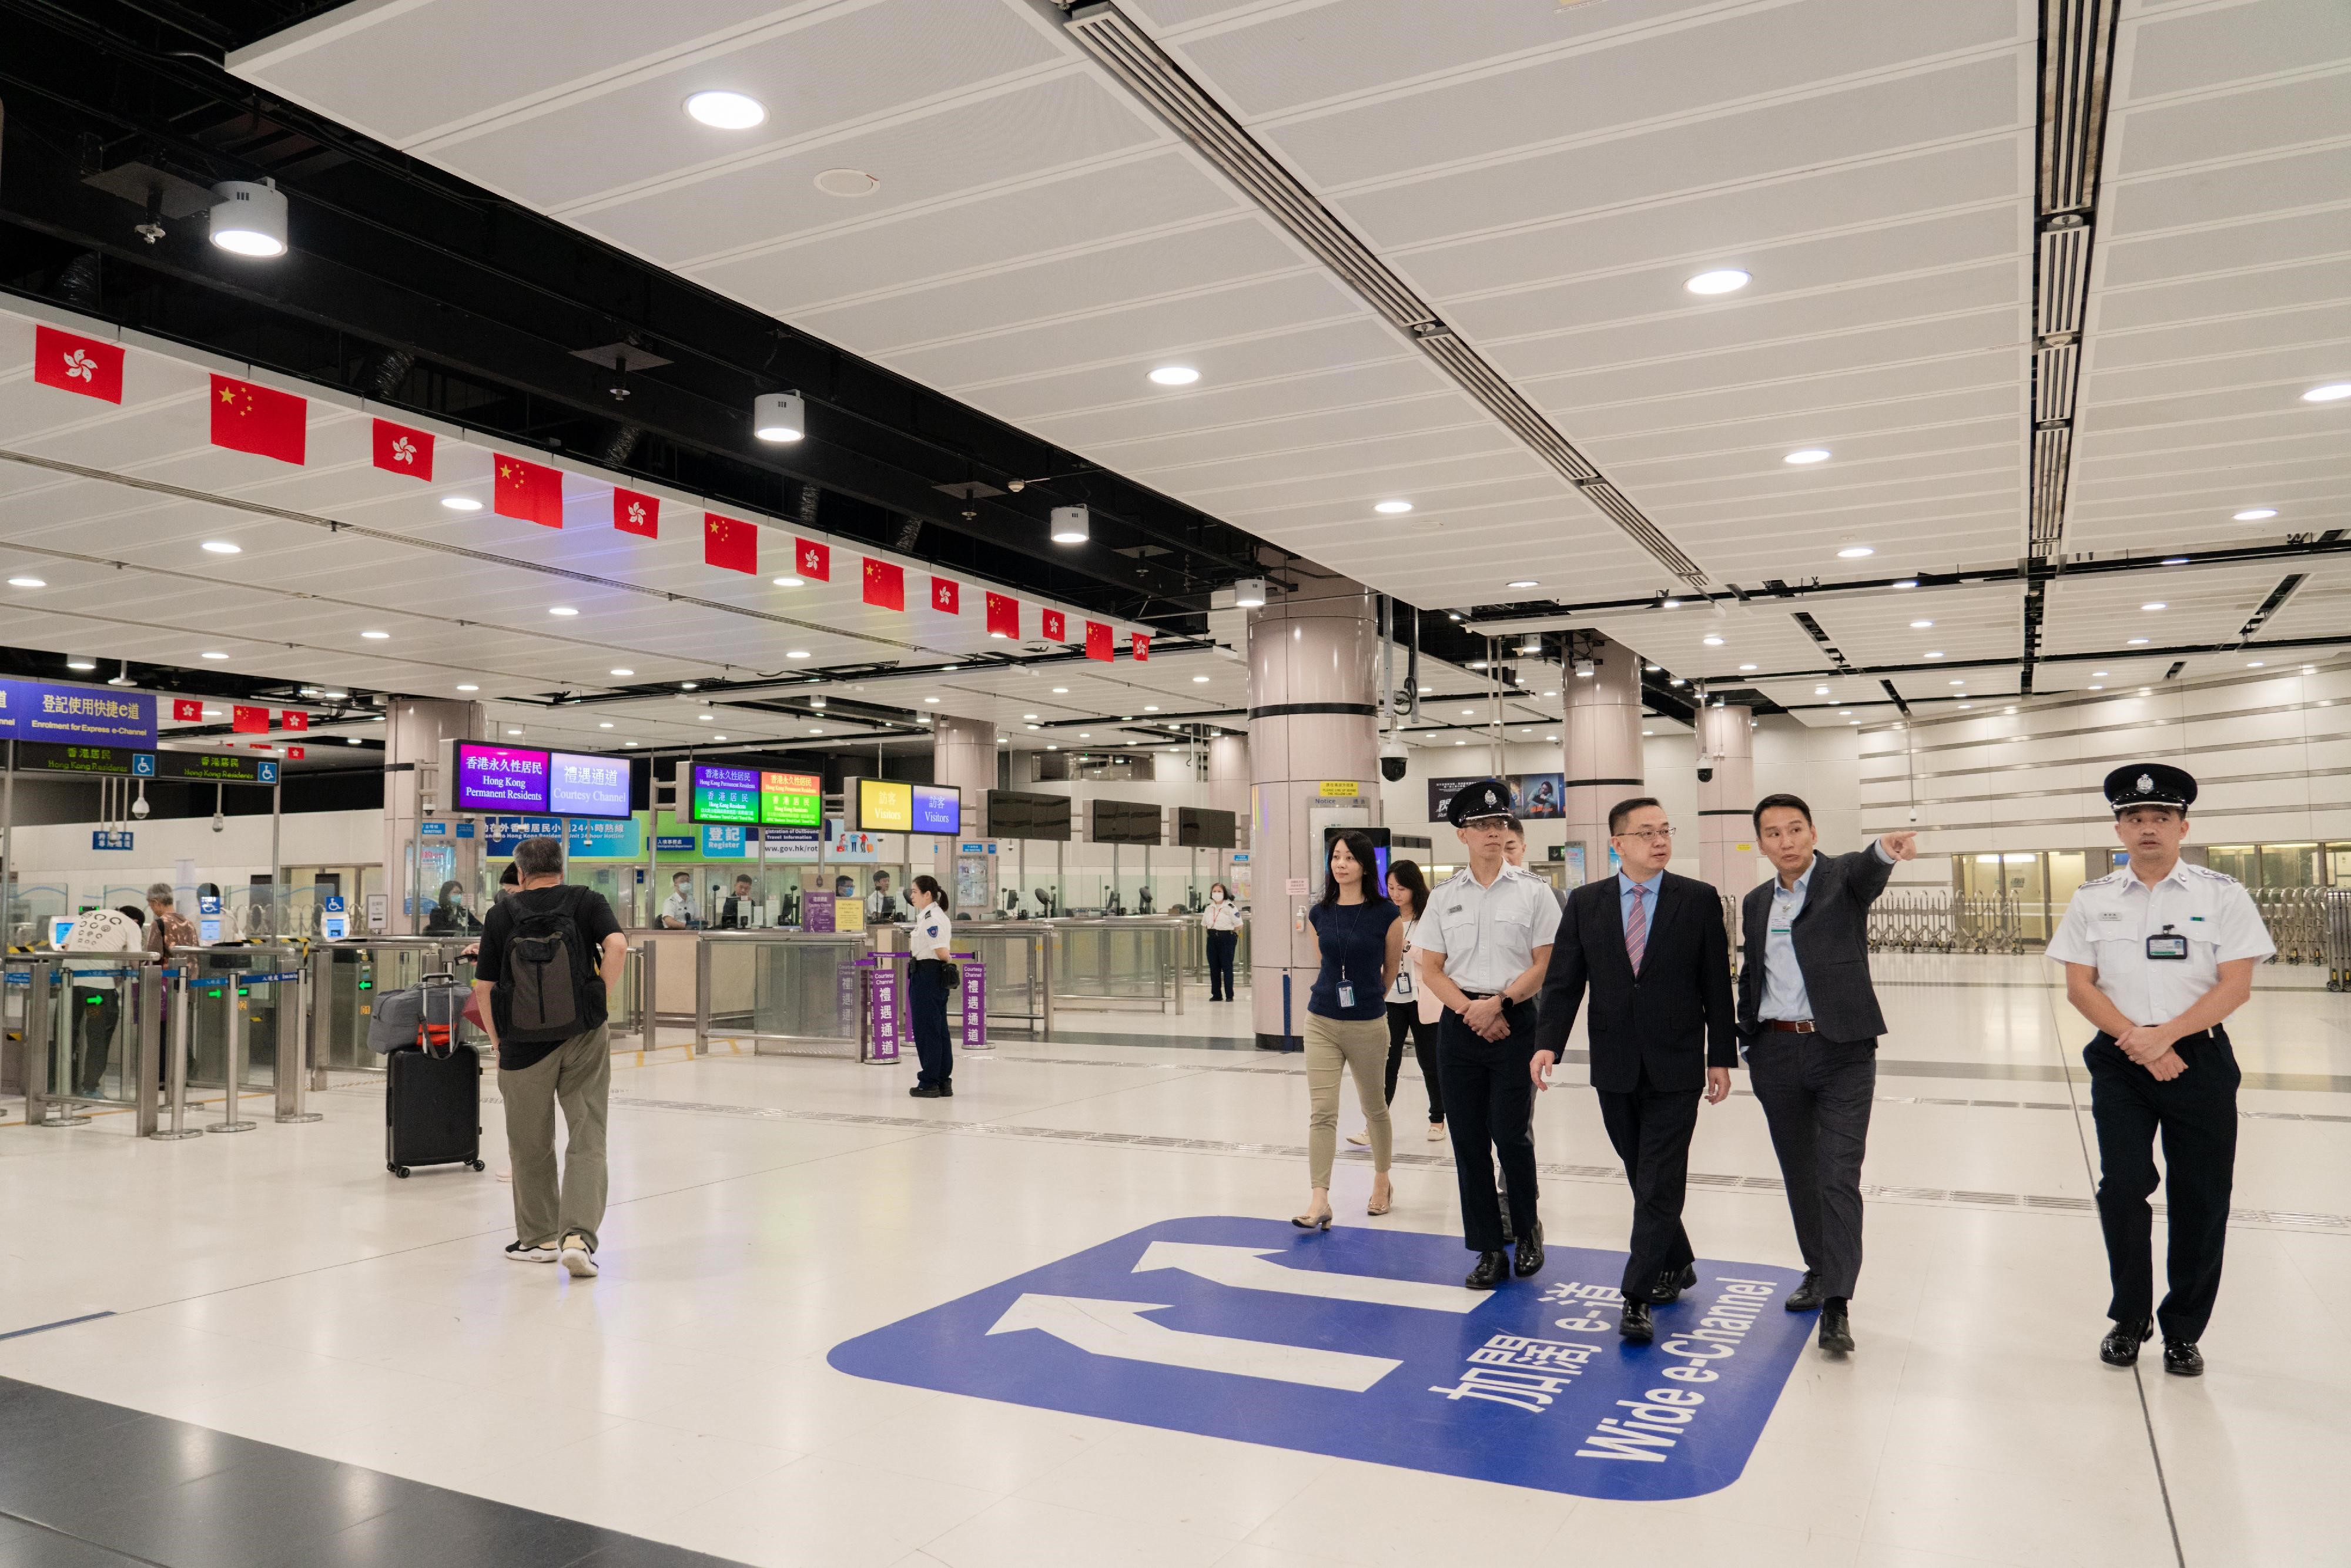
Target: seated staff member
1652 948
1484 946
2157 954
927 991
677 909
1811 1018
736 912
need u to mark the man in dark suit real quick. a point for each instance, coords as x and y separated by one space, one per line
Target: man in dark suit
1652 948
1811 1018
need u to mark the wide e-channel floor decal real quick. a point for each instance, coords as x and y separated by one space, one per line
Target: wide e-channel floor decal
1362 1343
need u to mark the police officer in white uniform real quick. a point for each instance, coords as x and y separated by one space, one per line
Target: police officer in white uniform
2157 954
1484 946
927 991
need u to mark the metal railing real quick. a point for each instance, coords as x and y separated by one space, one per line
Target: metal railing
784 991
1019 956
83 1018
233 1007
2309 925
2297 919
1105 963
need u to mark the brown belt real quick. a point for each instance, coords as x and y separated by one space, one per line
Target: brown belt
1790 1026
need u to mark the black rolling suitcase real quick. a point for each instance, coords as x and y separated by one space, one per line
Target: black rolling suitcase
433 1096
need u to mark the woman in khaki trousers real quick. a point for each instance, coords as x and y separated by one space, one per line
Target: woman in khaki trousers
1358 943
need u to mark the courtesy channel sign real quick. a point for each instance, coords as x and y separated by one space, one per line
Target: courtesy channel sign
1364 1345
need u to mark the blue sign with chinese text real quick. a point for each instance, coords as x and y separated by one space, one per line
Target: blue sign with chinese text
1364 1344
104 715
105 838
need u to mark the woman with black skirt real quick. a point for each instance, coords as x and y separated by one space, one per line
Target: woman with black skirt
927 991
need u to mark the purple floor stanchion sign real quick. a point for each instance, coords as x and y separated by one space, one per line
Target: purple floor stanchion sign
882 1045
974 1004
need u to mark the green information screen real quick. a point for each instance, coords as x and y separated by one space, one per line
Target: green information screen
791 799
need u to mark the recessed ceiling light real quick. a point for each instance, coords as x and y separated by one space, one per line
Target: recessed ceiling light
1959 683
1920 625
1522 582
1469 710
2175 560
375 636
1804 454
726 110
1394 508
1747 667
2255 665
1175 375
2256 514
1842 711
514 732
1064 691
1711 641
1028 716
1852 721
222 547
354 740
1648 732
624 672
2097 689
561 610
1151 707
2138 641
2155 604
461 503
1721 280
2095 674
789 582
1086 734
930 699
33 582
1907 582
2334 391
795 653
1965 707
1819 691
1677 681
607 724
1854 552
1461 742
816 729
718 737
212 655
469 688
706 717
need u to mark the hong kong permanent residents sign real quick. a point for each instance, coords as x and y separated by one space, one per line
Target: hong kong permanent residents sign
1362 1343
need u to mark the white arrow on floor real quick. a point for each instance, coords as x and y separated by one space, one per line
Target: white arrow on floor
1247 1268
1119 1329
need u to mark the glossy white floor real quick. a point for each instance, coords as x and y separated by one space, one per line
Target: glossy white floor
279 1285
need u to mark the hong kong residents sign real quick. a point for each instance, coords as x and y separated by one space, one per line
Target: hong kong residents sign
1362 1343
99 715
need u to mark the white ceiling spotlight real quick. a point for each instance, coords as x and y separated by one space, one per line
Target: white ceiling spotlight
1394 508
722 110
795 653
1071 525
1175 375
461 503
1522 582
2255 514
1721 280
1711 641
249 219
1920 625
779 416
222 547
2334 391
2155 604
28 583
624 672
1248 593
376 636
1805 455
1854 552
212 655
788 582
564 610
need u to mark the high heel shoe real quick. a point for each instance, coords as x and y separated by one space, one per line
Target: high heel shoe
1311 1221
1375 1208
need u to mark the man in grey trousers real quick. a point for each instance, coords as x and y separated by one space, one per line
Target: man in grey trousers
1811 1022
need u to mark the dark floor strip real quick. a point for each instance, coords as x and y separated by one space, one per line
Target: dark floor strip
85 1484
61 1323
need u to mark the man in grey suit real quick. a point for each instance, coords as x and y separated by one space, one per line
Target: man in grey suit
1811 1022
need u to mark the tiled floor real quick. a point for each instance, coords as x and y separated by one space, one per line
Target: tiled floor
279 1286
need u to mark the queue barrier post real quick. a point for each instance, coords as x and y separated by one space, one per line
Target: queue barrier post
176 1046
232 1087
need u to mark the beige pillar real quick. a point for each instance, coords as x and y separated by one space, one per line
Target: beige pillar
963 753
1314 749
413 730
1726 798
1600 747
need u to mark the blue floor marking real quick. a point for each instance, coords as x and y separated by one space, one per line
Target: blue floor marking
1356 1343
61 1323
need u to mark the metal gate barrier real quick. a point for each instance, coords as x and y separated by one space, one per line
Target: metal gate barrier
84 1018
233 1009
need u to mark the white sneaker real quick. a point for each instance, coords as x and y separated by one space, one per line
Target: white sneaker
577 1259
1436 1131
540 1253
1361 1140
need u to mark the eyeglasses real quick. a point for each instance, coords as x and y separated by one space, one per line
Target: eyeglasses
1650 835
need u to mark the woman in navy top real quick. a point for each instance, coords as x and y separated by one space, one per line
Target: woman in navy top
1359 944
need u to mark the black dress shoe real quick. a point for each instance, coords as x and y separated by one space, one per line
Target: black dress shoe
1836 1330
1492 1269
2120 1347
1670 1285
1530 1253
1510 1233
924 1092
1806 1296
1634 1325
2181 1359
946 1091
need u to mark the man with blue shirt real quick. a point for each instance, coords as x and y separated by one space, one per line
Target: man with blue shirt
1811 1023
1652 948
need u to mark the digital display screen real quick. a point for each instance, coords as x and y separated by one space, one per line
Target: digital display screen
791 799
1012 814
886 806
726 794
579 785
1124 823
1199 827
938 809
37 756
500 779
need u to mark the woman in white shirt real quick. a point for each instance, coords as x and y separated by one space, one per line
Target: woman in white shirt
1412 1009
1223 919
927 989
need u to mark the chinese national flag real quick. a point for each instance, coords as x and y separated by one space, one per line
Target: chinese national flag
400 450
1052 628
885 585
945 596
1003 616
531 492
290 719
186 710
248 720
635 514
1141 645
295 752
78 364
1098 640
247 418
730 542
812 561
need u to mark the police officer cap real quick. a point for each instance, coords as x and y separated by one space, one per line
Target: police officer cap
1486 797
2149 784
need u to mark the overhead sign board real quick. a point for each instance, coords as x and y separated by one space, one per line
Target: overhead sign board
724 794
791 799
101 716
500 778
584 786
222 766
34 756
887 806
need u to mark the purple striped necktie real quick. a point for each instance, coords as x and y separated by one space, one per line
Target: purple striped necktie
1636 928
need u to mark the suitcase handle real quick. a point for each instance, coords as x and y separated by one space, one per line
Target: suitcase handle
446 977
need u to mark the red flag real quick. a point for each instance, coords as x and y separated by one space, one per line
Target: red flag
1141 645
78 364
729 542
247 418
248 720
1098 640
295 752
635 514
885 585
531 492
291 719
1051 627
400 450
945 596
186 710
1003 616
812 559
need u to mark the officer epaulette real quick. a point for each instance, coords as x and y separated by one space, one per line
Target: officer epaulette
2208 874
2115 876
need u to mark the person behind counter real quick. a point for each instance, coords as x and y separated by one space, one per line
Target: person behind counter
736 912
886 903
677 909
927 991
449 916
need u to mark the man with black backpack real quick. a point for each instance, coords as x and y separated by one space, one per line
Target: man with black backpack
539 980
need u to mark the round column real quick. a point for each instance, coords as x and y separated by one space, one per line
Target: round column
1600 747
1313 751
1726 798
963 753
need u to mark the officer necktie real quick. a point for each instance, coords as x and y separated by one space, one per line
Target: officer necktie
1636 928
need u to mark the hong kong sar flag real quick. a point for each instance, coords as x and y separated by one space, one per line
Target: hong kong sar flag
250 418
636 514
946 597
1003 616
1098 643
1053 626
730 542
1141 645
73 363
812 561
400 450
885 585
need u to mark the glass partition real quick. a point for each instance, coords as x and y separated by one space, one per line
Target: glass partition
780 991
2289 866
31 907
